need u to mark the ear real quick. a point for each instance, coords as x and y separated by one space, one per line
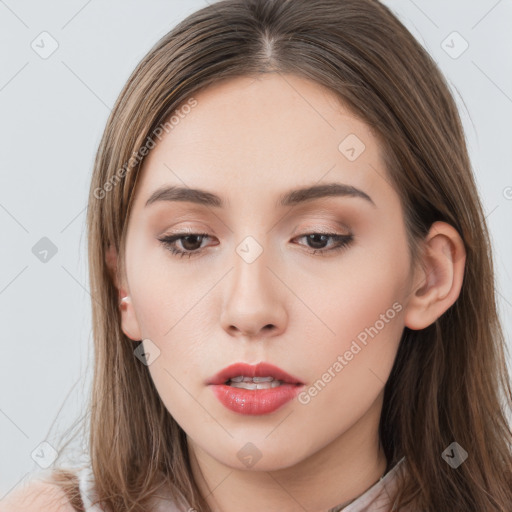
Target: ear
438 277
129 323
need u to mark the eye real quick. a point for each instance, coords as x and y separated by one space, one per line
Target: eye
319 240
191 243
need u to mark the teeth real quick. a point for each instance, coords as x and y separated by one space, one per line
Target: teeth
256 385
241 378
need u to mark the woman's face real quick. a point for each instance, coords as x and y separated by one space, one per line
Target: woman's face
253 290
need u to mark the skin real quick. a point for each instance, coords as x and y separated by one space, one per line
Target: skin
249 140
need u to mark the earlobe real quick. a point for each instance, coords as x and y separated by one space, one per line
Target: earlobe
124 300
129 323
438 279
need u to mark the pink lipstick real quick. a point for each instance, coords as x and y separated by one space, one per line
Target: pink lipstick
254 389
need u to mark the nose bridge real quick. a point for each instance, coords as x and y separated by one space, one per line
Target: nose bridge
250 274
253 240
252 301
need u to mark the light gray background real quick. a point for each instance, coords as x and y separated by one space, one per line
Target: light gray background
53 112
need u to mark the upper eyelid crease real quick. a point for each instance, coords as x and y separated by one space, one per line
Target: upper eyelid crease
291 198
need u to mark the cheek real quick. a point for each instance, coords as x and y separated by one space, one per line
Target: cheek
173 385
360 306
162 293
173 310
347 370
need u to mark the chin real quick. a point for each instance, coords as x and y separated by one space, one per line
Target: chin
263 455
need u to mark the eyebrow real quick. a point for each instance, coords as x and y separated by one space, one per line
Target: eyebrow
290 198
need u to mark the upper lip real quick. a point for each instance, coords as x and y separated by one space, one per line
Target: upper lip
250 370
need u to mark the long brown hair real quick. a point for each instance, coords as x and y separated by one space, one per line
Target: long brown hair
449 382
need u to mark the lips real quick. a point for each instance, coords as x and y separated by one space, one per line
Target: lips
247 370
251 398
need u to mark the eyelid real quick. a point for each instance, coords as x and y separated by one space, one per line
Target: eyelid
339 228
302 230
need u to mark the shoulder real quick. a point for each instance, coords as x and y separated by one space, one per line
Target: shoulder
37 496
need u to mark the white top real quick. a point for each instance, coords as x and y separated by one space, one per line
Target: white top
376 499
86 486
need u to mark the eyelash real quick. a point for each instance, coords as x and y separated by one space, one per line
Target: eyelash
343 241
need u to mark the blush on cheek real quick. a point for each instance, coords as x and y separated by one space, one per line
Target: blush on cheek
368 327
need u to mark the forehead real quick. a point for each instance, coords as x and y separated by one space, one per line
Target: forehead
249 136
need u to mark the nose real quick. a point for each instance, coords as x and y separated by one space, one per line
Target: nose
254 300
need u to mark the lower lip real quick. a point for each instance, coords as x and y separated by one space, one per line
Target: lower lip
255 401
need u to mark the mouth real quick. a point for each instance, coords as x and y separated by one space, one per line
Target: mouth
254 389
260 376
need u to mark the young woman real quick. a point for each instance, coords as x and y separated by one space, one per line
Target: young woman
292 282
